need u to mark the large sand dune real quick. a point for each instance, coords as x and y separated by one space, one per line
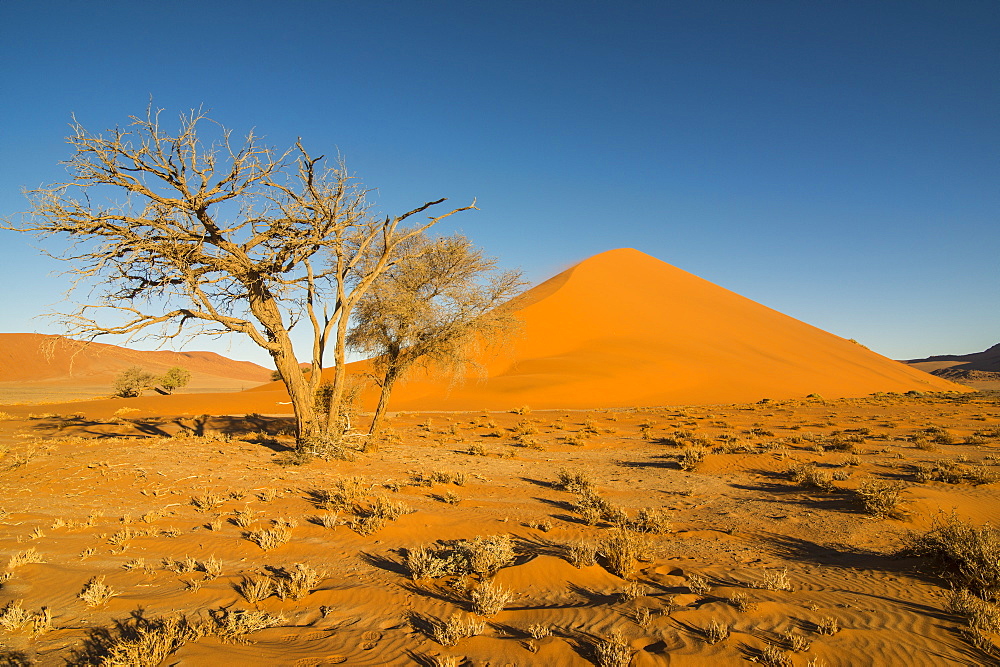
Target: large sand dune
624 329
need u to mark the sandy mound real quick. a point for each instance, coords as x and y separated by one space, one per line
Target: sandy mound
44 367
623 329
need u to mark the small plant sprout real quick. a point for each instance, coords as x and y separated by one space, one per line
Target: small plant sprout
776 580
539 631
828 626
698 585
716 632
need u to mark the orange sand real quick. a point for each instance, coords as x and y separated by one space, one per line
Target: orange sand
117 500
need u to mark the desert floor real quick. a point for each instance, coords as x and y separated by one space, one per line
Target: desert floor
168 513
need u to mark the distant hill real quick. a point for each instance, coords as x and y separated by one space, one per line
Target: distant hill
979 369
40 367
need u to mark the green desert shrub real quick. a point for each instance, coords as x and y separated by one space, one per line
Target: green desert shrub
132 381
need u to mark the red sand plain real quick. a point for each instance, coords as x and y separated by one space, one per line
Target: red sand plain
165 511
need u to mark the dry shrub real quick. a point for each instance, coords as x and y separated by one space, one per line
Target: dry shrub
742 602
344 496
642 616
456 628
255 589
796 643
828 626
139 641
954 472
486 555
425 563
207 502
580 553
574 482
966 555
489 599
698 584
211 567
366 525
716 632
620 550
13 618
811 477
880 497
539 631
243 518
776 580
772 656
978 614
631 591
297 582
613 652
481 555
25 557
383 508
591 507
448 477
448 497
233 625
269 538
95 592
691 457
327 519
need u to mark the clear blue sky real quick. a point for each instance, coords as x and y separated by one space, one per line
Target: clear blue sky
838 161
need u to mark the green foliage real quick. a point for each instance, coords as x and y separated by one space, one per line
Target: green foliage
132 382
174 379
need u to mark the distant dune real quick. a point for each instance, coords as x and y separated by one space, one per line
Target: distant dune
46 367
979 369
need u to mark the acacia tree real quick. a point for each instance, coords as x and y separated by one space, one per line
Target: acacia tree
437 308
179 233
173 379
132 381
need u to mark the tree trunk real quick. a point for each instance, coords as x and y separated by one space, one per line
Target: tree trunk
299 393
339 374
383 400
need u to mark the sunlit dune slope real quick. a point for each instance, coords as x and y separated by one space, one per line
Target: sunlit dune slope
37 360
624 329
